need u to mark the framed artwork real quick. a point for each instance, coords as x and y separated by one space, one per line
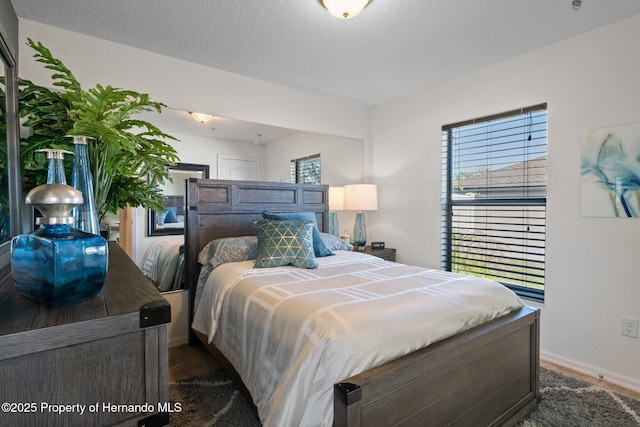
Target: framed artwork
610 181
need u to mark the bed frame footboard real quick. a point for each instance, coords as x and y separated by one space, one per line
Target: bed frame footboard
483 377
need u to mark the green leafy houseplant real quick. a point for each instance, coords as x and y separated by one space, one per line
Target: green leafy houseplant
128 157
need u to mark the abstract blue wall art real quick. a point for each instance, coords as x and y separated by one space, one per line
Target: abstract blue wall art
611 172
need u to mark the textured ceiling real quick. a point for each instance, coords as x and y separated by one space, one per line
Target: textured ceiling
392 48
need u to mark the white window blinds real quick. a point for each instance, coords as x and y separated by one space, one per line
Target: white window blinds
494 198
306 170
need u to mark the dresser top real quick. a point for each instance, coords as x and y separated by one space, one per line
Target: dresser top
126 290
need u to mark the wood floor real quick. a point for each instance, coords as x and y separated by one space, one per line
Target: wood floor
187 361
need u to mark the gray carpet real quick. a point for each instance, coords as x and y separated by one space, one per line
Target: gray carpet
567 402
212 400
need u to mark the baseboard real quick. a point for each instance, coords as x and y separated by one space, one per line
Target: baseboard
593 371
176 341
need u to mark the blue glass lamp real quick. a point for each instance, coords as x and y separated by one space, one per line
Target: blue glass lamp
336 203
360 197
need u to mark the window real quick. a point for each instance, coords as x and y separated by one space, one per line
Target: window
494 199
306 170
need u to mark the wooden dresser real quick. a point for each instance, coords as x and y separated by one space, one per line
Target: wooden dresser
106 356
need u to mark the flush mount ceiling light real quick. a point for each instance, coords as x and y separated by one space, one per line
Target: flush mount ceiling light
345 9
202 118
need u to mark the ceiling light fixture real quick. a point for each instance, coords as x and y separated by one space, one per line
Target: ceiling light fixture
345 9
201 117
575 4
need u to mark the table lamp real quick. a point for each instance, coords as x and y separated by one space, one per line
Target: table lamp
360 197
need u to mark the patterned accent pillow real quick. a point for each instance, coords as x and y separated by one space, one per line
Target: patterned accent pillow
228 249
334 243
284 243
319 248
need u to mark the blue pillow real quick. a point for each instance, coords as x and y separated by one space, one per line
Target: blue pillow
319 248
284 243
171 215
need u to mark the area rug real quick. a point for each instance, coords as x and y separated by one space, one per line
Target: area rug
569 402
212 400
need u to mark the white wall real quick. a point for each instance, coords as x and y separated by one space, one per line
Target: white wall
342 158
590 81
202 150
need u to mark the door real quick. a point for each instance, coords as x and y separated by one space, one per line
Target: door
237 168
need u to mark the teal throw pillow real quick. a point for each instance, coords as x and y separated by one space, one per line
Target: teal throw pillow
319 248
171 216
284 243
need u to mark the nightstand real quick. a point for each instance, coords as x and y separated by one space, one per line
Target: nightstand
388 254
109 349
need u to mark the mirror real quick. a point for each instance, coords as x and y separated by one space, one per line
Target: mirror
228 146
220 141
5 208
171 221
9 132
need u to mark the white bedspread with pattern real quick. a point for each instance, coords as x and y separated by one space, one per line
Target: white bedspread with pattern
292 333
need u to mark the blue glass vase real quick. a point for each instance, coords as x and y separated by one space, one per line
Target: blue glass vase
86 214
55 168
359 231
58 262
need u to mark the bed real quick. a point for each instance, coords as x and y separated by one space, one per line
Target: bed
163 264
485 375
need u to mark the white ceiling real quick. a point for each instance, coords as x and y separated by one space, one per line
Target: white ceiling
394 47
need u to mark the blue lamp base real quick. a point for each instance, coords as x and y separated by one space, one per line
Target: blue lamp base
359 232
334 228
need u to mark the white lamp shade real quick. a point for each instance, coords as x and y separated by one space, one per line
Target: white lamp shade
361 197
336 198
345 9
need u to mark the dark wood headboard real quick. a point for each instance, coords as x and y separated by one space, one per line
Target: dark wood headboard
222 208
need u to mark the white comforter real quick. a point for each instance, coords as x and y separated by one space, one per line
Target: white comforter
292 333
161 262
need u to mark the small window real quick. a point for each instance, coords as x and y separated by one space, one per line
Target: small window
494 199
306 170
